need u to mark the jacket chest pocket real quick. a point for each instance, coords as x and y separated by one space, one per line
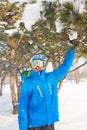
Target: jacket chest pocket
39 91
50 88
37 96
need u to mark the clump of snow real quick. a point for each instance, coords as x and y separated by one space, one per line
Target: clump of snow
31 14
11 31
49 67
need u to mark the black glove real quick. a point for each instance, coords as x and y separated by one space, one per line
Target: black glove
73 38
74 43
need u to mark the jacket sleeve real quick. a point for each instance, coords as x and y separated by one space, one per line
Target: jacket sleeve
61 71
23 106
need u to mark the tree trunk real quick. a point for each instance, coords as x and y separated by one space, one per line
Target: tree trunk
60 85
2 81
18 83
77 75
12 81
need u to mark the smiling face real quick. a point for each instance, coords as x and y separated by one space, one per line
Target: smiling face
37 65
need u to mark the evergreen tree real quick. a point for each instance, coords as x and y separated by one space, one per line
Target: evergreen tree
73 20
43 38
9 14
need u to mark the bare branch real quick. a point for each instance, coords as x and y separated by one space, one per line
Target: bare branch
78 67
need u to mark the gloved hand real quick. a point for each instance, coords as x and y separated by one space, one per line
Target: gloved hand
74 43
73 38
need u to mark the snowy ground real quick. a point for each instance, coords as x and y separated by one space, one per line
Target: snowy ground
72 106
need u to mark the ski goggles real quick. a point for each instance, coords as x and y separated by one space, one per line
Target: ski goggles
36 63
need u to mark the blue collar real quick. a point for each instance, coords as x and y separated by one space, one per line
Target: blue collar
40 74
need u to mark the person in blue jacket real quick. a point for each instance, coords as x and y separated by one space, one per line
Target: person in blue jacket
38 100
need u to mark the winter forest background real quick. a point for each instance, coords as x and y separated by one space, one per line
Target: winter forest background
29 27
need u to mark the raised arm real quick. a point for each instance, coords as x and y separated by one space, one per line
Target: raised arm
60 72
63 69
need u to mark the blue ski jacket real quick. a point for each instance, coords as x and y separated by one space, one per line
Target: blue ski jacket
38 100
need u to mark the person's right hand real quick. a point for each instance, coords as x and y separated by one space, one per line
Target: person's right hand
73 38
